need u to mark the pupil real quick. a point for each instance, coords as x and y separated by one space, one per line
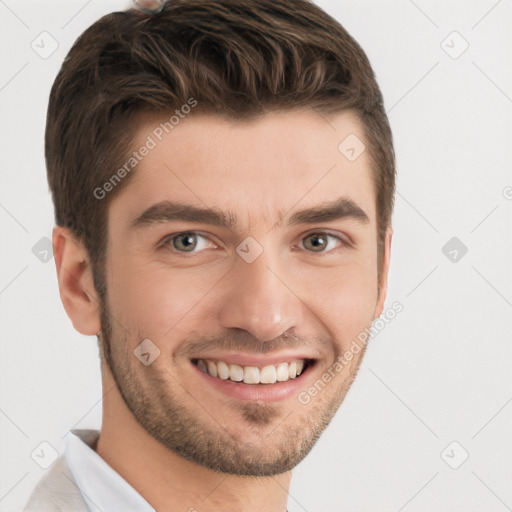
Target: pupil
187 241
318 241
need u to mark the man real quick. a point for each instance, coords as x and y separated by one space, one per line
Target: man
223 179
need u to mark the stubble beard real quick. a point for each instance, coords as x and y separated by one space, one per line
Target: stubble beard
201 438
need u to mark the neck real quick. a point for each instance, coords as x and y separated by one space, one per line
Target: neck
169 482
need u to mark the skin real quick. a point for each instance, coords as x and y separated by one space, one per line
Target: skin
173 437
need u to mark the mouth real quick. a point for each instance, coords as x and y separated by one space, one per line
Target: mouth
254 375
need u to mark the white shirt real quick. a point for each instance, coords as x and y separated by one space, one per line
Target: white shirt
103 489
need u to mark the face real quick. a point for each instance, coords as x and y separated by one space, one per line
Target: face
247 255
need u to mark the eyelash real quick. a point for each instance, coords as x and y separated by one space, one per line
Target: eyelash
167 242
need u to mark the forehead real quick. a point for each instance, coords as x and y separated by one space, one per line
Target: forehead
261 169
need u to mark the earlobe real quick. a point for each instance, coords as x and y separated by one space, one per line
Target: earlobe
379 307
76 285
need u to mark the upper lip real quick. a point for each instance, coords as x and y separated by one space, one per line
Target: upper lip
259 360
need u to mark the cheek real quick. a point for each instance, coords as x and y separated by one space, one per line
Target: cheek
344 301
157 302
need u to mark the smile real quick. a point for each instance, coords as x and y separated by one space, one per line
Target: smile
269 374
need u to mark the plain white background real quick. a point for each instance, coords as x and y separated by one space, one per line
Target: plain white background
438 373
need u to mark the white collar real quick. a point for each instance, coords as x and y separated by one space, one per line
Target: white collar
103 489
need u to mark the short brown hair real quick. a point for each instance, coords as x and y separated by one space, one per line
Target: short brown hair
237 59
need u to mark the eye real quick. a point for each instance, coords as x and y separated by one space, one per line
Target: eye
322 242
194 242
188 241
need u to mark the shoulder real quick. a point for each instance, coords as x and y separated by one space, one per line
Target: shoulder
56 491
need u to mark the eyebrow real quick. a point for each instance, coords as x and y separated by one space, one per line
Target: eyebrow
168 211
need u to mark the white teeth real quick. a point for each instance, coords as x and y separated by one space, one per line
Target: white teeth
251 375
282 372
223 370
212 368
270 374
236 372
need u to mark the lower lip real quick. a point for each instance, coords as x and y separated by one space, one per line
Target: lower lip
265 392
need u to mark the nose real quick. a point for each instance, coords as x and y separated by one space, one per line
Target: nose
259 299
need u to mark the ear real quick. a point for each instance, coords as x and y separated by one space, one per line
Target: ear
76 285
379 307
